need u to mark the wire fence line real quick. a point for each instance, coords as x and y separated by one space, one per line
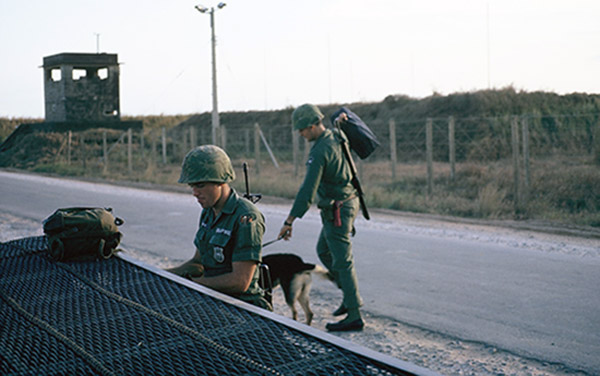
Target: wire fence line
436 145
472 139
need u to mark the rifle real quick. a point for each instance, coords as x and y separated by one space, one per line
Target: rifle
355 183
253 197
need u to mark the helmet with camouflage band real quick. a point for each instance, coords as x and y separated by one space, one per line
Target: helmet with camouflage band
305 116
206 163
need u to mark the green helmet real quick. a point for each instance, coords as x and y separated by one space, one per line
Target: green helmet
305 116
206 163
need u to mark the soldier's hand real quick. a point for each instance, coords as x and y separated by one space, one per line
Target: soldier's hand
342 118
285 232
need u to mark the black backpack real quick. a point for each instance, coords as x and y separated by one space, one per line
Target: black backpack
362 140
82 233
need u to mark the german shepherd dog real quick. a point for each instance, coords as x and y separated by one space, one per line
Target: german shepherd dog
294 276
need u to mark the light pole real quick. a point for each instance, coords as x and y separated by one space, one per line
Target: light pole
215 109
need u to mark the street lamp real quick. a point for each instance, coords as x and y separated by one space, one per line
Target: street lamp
215 109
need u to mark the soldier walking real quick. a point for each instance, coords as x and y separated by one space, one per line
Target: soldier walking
328 177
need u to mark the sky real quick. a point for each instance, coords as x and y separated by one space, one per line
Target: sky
275 54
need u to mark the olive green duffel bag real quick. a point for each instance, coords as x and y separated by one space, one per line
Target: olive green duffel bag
82 233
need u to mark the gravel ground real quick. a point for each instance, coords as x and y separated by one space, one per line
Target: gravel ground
439 353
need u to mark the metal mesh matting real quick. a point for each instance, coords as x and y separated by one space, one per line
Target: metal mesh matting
116 318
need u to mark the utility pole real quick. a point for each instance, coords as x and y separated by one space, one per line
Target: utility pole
215 106
488 44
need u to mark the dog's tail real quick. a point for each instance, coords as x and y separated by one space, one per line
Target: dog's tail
322 272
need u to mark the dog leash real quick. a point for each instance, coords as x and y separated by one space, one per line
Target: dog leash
273 241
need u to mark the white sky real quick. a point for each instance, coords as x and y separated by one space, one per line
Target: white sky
273 54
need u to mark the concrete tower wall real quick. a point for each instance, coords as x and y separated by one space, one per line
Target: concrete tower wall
81 87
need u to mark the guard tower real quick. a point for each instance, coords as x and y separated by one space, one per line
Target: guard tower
81 87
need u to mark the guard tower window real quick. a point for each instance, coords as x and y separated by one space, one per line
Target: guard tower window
103 73
79 74
55 74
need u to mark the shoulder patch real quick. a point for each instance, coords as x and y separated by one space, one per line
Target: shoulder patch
246 219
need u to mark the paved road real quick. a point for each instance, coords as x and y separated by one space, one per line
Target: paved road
541 302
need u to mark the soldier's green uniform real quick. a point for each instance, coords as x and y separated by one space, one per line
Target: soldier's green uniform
234 235
328 176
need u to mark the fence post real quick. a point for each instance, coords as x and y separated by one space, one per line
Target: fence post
527 182
223 136
257 148
105 151
153 151
295 151
192 137
429 152
142 144
164 145
451 147
69 143
393 153
82 147
247 141
264 140
181 145
596 143
306 149
130 150
515 159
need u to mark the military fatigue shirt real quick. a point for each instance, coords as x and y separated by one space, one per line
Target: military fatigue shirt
328 174
234 235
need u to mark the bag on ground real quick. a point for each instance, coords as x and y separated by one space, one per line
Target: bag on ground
82 233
